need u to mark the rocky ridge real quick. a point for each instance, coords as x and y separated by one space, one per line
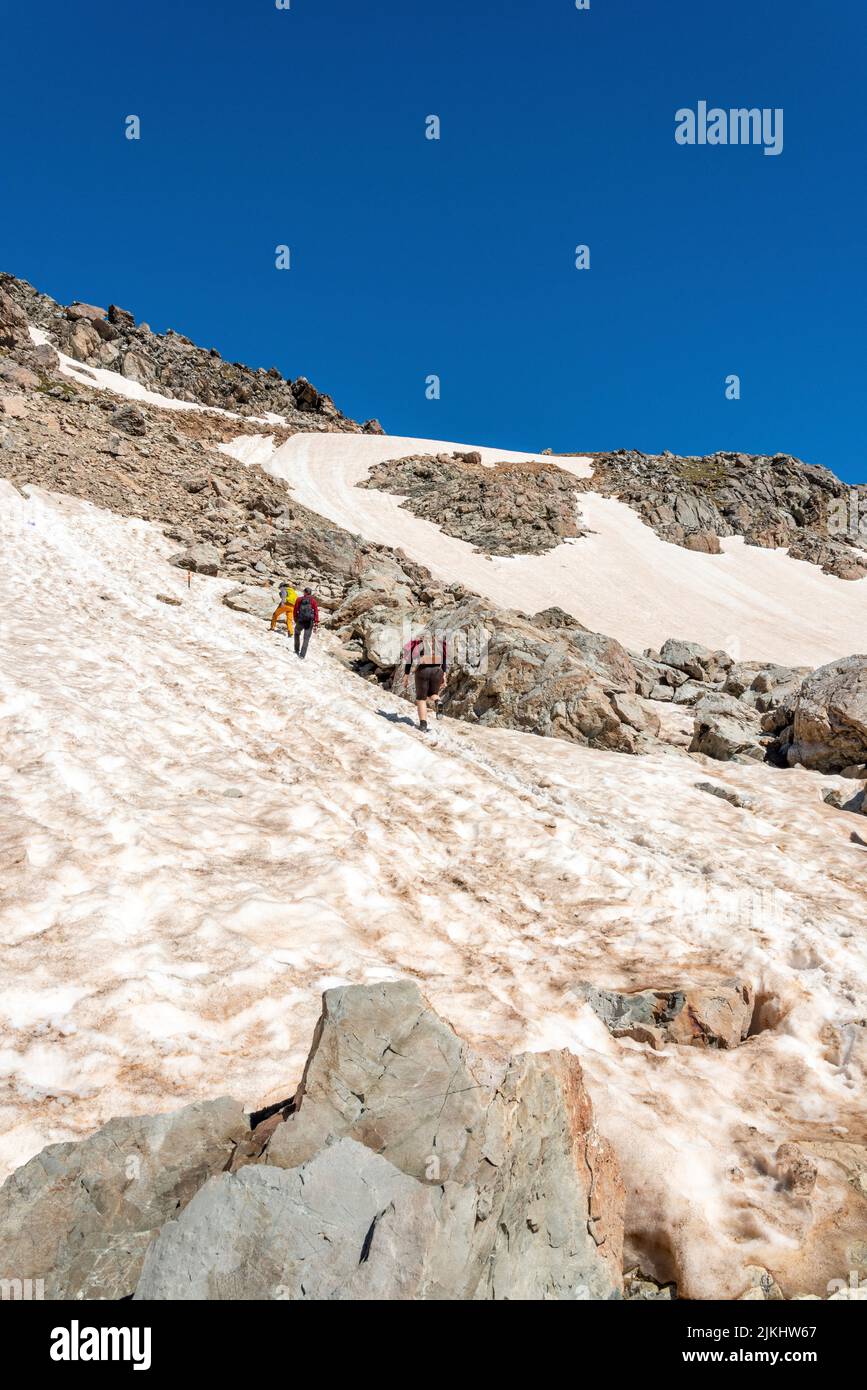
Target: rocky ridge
168 363
771 501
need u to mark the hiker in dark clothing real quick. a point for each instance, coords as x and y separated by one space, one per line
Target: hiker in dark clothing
306 617
431 655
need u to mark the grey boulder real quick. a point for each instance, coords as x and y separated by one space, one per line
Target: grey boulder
347 1224
830 717
727 730
80 1216
533 1190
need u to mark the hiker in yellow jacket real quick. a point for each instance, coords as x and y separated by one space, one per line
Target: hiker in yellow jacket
285 607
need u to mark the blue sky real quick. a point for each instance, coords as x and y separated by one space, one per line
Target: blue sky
412 257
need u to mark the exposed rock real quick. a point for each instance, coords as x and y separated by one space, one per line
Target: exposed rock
830 717
533 1188
13 323
631 711
524 679
202 558
507 509
771 501
743 803
558 618
121 318
20 377
761 1286
846 801
726 730
167 598
88 312
638 1287
129 419
347 1224
80 1216
605 656
692 658
697 1016
259 603
168 362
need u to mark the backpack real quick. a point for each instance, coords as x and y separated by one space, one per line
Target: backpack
305 611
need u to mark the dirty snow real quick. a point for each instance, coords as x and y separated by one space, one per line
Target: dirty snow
199 833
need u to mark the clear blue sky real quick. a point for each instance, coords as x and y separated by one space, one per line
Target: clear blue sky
410 257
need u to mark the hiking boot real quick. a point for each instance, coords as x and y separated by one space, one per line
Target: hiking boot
422 724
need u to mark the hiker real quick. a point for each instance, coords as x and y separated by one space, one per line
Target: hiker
285 608
306 616
430 673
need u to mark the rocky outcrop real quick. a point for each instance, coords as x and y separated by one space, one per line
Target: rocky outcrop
80 1216
716 1016
168 363
771 501
407 1166
505 509
829 726
411 1167
527 679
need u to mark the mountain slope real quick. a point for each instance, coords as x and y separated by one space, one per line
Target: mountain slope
622 579
204 833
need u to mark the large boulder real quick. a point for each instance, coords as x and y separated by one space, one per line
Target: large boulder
203 558
80 1216
830 717
130 419
606 657
727 730
692 658
259 603
90 313
80 340
519 676
500 1160
406 1166
347 1224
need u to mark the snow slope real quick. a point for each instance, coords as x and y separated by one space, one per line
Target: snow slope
622 579
198 834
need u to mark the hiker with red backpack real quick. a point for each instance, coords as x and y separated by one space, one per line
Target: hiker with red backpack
306 617
430 655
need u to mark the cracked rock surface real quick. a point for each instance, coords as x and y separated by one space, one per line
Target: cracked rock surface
408 1166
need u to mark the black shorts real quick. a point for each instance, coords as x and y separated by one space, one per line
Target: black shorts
428 681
